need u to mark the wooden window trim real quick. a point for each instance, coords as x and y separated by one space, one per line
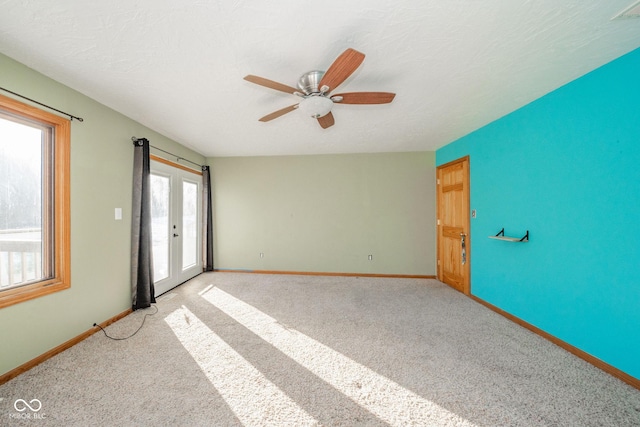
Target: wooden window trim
61 277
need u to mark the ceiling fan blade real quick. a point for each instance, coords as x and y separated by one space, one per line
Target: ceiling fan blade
364 97
279 113
327 120
270 84
341 68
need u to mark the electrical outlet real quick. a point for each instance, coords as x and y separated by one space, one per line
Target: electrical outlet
473 213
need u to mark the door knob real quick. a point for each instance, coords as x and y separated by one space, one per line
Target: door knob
175 235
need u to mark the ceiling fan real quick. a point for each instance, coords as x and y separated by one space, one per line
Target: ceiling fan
314 87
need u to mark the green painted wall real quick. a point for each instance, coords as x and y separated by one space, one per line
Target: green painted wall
101 173
305 213
326 213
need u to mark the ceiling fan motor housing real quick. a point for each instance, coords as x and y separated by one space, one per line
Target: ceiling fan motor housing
315 103
309 82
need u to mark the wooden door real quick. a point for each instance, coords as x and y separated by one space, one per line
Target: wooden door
453 224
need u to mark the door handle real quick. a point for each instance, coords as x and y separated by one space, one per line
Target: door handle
175 235
463 244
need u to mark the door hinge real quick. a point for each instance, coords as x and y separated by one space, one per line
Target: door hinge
438 222
438 181
438 262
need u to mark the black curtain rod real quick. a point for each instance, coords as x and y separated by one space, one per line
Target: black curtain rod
80 119
134 139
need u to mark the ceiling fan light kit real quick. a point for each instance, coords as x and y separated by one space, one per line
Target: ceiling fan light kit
314 88
315 106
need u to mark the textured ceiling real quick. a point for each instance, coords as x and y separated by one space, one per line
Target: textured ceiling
177 66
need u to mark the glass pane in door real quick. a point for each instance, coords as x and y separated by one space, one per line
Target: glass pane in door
189 224
160 192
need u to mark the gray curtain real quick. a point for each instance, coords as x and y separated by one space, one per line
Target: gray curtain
142 289
207 221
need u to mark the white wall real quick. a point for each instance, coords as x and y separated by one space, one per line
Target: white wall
326 213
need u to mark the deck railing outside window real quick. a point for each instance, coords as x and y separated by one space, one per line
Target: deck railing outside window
20 257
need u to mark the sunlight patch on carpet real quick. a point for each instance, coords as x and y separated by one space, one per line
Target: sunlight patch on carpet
251 396
381 396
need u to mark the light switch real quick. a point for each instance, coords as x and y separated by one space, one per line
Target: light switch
118 213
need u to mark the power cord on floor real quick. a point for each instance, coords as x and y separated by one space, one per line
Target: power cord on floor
137 330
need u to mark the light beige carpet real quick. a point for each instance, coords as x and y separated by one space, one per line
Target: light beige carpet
231 349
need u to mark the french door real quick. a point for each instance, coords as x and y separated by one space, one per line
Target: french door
176 207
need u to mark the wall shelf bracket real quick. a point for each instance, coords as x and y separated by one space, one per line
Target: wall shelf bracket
501 236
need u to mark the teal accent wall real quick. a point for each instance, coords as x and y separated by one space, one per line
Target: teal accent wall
567 168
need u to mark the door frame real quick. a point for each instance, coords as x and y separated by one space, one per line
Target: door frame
178 275
466 213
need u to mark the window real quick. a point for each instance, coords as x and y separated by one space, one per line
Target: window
34 202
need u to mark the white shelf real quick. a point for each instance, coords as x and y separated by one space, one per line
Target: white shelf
501 236
509 239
